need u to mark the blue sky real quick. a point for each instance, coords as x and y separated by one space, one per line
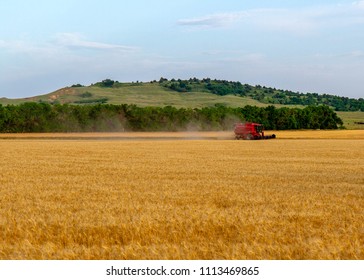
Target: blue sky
306 46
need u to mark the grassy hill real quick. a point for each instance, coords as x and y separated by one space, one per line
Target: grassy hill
141 94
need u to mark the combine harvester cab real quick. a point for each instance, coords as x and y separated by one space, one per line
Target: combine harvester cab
251 131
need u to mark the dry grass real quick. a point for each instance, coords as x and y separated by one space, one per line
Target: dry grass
173 199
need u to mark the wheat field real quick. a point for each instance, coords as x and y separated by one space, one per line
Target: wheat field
102 198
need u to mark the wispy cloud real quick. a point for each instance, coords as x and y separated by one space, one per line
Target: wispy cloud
63 59
359 4
59 43
270 19
213 21
356 55
74 40
298 21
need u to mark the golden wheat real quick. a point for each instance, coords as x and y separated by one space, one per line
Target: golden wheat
175 199
216 135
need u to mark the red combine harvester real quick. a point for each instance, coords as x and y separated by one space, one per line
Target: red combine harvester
251 131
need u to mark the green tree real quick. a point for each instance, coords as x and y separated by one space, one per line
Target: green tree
107 83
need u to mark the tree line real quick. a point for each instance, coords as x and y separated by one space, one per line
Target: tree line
43 117
263 94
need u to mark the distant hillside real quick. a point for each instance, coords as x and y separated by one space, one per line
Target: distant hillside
265 95
141 94
192 93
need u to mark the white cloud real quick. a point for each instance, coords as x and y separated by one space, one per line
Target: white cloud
296 21
356 54
359 4
270 19
213 21
59 43
62 60
74 40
